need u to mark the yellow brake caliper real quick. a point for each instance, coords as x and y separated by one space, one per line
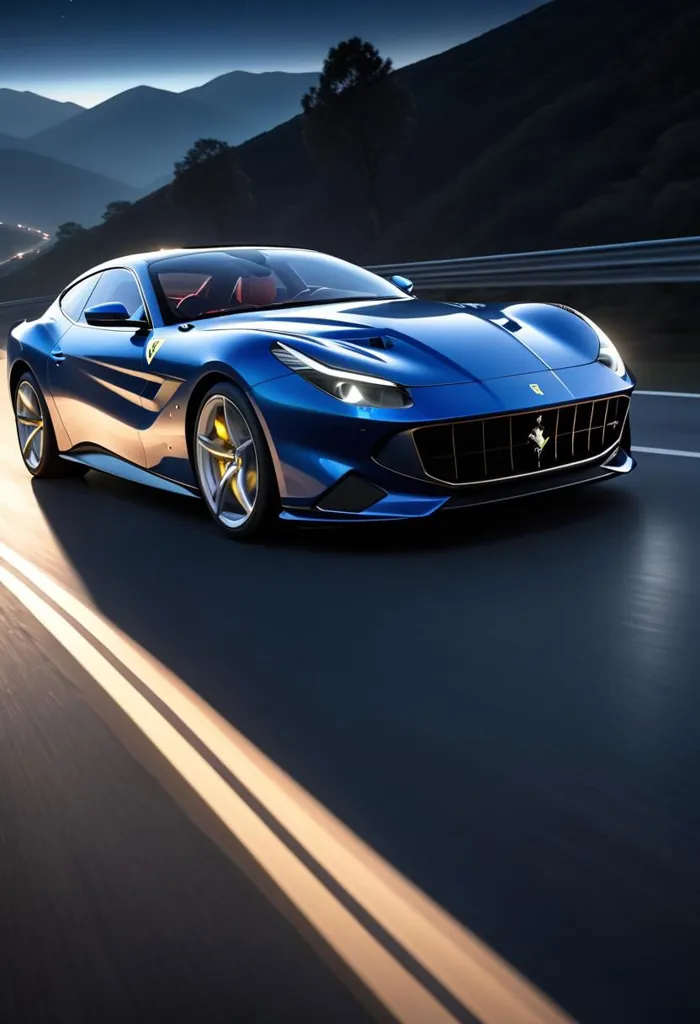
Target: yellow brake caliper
222 433
251 476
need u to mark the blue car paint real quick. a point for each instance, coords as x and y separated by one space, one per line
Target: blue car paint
458 361
315 445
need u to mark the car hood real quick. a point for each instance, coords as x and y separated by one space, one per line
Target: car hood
414 342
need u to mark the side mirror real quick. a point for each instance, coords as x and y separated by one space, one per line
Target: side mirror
111 314
403 283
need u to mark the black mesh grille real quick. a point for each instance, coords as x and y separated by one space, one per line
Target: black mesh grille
469 451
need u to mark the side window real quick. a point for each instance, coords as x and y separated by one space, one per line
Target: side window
76 298
119 286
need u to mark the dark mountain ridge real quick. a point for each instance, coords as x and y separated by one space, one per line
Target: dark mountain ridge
161 125
25 113
130 136
577 123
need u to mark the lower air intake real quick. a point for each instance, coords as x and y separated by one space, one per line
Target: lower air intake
352 494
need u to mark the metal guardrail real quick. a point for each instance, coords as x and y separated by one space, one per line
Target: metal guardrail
674 260
18 304
667 259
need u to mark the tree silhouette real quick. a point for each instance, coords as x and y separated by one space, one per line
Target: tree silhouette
358 115
208 180
67 230
114 208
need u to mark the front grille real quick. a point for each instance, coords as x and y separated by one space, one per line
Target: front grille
470 451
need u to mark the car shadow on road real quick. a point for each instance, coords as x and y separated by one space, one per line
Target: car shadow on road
332 649
157 566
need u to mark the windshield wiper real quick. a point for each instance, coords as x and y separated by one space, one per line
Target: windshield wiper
225 312
322 302
291 303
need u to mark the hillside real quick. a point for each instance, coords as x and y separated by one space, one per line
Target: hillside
25 113
74 194
254 102
161 125
135 136
12 240
576 123
608 148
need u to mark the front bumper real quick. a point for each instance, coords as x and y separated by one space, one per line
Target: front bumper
331 459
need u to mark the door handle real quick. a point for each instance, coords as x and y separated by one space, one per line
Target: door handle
57 355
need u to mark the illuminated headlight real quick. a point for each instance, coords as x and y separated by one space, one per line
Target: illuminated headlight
348 387
607 353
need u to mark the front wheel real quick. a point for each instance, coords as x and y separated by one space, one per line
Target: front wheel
233 464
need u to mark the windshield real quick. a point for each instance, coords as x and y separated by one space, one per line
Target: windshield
206 284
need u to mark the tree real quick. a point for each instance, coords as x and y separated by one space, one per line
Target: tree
357 115
209 180
202 152
68 230
114 208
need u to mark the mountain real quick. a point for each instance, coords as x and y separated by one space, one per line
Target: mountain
160 125
255 102
574 124
9 141
135 136
74 194
25 113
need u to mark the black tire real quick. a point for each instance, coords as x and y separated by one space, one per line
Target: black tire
265 511
50 465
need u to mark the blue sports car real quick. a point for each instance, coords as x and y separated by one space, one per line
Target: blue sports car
286 383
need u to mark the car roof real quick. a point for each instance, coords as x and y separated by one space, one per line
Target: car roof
161 254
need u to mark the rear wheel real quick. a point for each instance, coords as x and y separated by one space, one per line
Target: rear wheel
37 441
233 464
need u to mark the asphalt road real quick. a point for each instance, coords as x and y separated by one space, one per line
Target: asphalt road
504 705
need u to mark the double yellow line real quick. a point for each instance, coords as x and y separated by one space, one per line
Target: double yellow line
435 966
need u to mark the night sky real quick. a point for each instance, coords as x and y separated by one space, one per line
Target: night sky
87 50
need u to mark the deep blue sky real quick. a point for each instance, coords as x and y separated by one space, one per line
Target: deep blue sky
86 50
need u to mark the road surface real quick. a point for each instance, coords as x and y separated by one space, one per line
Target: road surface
504 706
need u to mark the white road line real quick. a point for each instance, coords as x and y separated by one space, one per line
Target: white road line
669 394
666 451
390 982
490 988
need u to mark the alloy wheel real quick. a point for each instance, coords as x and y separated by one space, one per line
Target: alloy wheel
30 424
227 461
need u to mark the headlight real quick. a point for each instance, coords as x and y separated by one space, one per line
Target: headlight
351 388
608 354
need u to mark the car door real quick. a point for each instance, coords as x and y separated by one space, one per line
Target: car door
95 373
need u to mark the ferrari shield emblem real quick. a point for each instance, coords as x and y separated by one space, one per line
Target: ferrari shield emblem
152 347
537 389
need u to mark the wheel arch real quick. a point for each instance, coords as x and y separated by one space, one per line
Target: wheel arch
207 381
19 368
